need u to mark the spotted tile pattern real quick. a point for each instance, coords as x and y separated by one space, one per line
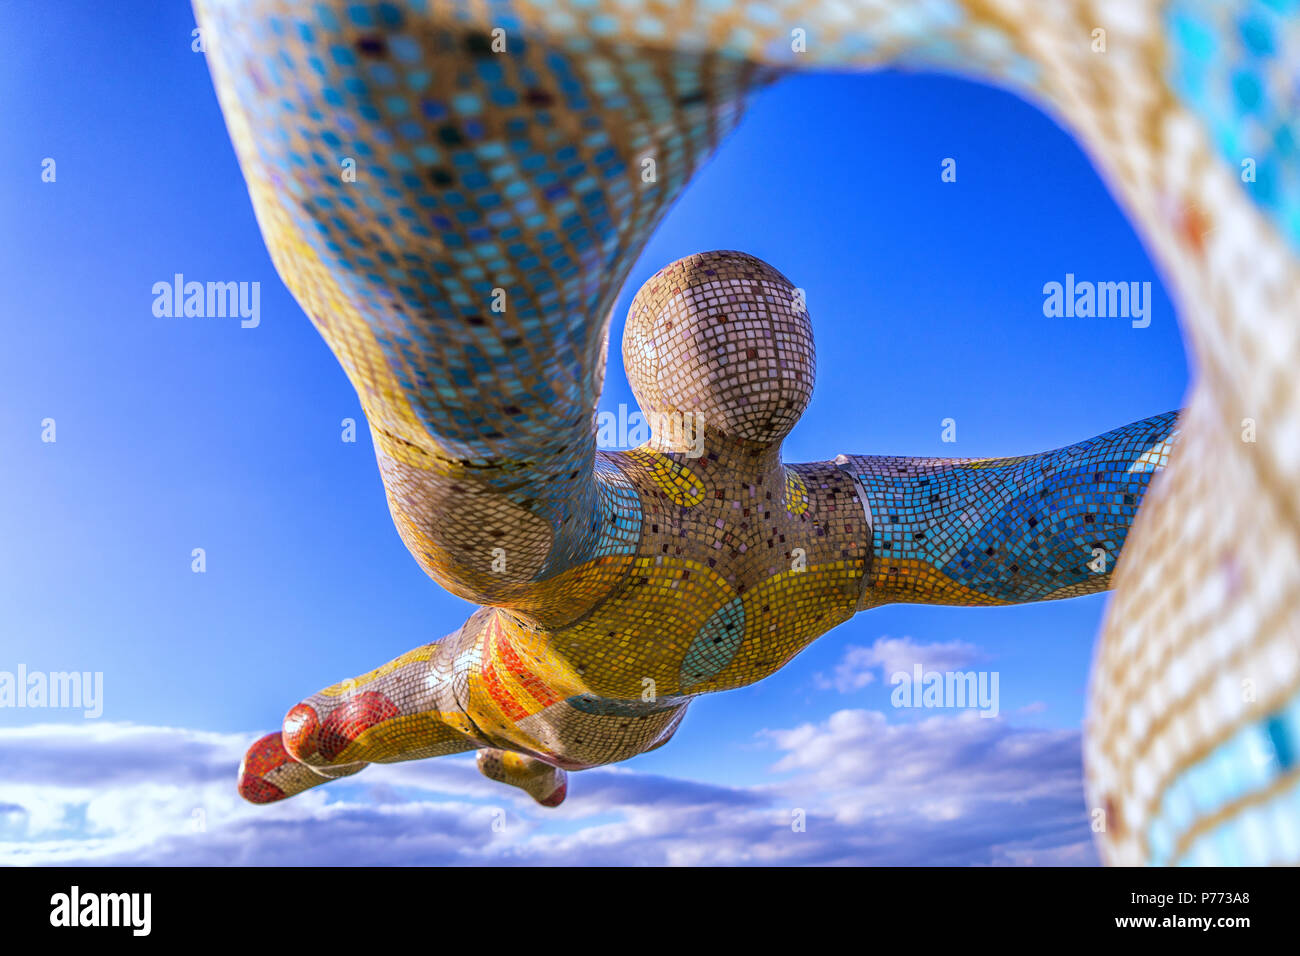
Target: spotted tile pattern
455 193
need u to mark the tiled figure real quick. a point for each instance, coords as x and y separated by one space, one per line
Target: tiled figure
712 563
455 193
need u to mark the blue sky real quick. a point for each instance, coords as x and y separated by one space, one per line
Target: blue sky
176 433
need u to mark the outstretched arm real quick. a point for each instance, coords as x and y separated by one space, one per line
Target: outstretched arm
974 531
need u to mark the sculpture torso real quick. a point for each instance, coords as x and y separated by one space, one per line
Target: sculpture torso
737 565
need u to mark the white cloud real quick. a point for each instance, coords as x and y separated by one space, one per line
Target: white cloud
857 667
946 790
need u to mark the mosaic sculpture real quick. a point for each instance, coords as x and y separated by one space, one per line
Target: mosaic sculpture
455 192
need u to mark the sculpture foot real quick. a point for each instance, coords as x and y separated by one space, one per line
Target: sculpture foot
546 784
268 773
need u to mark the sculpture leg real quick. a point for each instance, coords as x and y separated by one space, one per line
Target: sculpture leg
406 710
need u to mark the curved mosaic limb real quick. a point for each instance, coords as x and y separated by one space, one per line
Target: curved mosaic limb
1007 530
457 225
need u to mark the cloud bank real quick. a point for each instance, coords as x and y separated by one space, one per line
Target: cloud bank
853 789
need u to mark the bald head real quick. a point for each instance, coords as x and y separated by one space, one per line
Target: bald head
724 337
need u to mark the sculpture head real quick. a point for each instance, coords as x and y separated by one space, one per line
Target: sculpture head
724 339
